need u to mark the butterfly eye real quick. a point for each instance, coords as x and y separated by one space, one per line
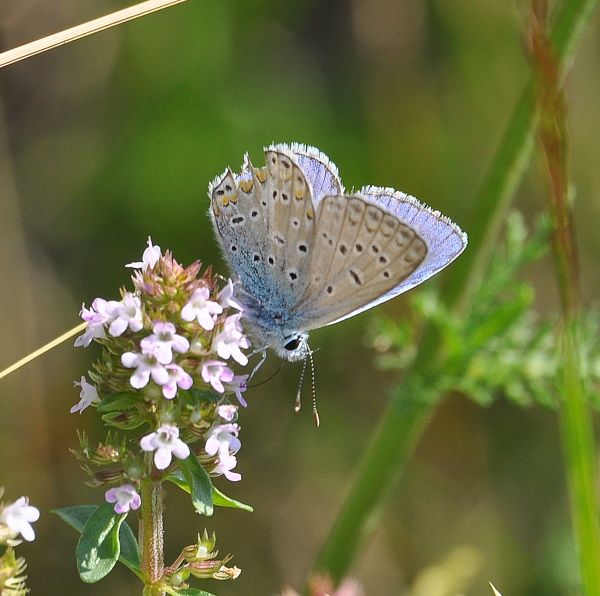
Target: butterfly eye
292 345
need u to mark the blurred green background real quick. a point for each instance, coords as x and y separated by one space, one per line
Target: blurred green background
115 137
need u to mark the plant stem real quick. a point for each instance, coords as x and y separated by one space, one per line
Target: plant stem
404 422
151 536
574 414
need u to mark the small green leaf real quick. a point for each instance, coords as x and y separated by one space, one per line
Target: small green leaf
222 500
199 481
78 515
99 548
218 498
124 420
117 402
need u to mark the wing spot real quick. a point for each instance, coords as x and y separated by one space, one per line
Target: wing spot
285 164
343 249
295 222
383 259
359 247
279 238
293 275
303 248
355 277
386 274
233 247
274 194
273 159
264 203
254 213
256 258
271 260
330 289
237 220
284 197
228 187
375 248
220 192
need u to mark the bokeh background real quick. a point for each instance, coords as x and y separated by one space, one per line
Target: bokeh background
115 137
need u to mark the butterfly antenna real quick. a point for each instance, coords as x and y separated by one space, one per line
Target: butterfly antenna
314 390
267 379
298 404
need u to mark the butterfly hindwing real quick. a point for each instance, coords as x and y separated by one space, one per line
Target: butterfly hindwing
361 253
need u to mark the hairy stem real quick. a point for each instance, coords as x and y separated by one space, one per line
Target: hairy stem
151 536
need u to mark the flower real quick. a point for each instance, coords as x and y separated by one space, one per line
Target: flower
125 498
166 442
225 465
227 297
202 309
238 385
223 439
215 373
227 411
163 340
228 342
18 517
88 395
177 378
145 364
100 313
128 313
149 258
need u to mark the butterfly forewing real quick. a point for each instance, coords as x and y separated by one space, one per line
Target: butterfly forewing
265 220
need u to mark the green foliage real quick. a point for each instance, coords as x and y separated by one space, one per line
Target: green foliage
199 483
497 347
99 546
79 515
218 498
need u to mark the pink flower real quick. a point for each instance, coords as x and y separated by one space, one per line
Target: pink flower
96 317
146 365
227 412
238 385
163 340
177 378
223 439
200 308
215 373
225 465
166 442
227 297
228 342
128 314
18 517
149 258
125 498
88 396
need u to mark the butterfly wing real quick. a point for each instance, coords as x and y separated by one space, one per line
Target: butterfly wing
265 221
370 247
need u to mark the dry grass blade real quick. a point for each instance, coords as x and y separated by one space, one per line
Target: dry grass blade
83 30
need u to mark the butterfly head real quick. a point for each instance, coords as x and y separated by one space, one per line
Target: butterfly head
292 347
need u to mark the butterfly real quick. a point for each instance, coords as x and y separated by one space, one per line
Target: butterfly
307 254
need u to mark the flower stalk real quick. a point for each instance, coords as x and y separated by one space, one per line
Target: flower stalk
151 535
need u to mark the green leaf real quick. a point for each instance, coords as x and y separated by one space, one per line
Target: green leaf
77 517
199 481
123 420
118 402
99 548
222 500
218 498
